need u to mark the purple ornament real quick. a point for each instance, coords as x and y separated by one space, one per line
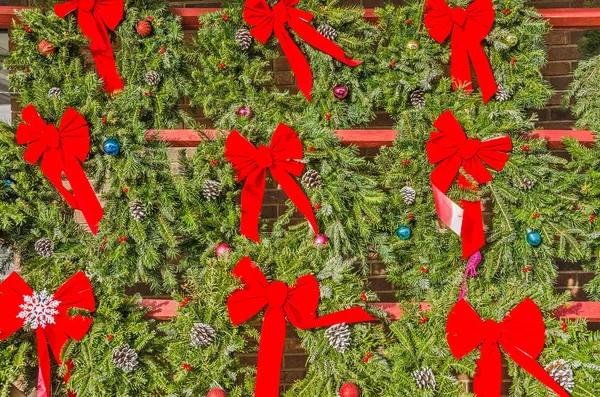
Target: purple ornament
320 239
340 91
244 111
223 249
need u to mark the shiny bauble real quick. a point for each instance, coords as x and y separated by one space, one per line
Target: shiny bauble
340 91
349 389
111 146
403 232
411 45
222 249
534 238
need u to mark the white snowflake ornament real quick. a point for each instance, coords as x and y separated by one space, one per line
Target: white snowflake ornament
39 309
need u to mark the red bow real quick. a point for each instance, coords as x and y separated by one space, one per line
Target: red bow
93 18
521 335
298 303
48 315
450 150
469 27
252 164
265 21
61 151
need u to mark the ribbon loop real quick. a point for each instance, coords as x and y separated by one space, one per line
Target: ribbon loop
299 303
280 158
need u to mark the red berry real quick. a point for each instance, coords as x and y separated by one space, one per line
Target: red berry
367 358
122 239
564 326
184 301
311 149
423 320
525 148
424 269
411 217
506 12
592 217
214 162
148 94
349 390
327 116
536 215
225 17
221 65
103 244
125 189
393 63
405 162
161 51
186 367
103 120
26 70
513 61
148 17
317 206
27 29
408 21
363 297
109 337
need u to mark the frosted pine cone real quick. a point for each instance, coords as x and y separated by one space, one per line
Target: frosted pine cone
152 78
524 184
339 337
408 195
243 38
202 334
502 94
327 31
312 179
44 247
125 358
417 98
138 210
425 378
54 92
212 190
562 373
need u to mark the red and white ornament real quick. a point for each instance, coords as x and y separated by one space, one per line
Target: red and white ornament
349 389
143 28
222 249
244 111
320 239
216 392
46 47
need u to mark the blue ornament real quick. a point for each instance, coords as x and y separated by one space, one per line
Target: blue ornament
403 232
533 238
8 182
111 147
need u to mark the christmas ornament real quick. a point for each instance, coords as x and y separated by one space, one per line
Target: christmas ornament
222 249
49 316
61 151
93 18
403 232
44 247
417 99
467 29
525 183
312 179
521 335
202 335
54 92
534 238
349 390
511 39
297 304
320 239
283 16
411 45
562 373
340 91
408 195
216 392
327 31
502 94
244 111
212 190
339 337
138 210
8 182
424 378
450 150
111 146
125 358
251 163
152 78
243 38
45 47
143 28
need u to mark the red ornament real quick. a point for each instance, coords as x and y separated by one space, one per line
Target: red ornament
161 51
143 28
328 116
349 390
216 392
525 148
244 111
363 297
506 12
221 65
405 162
46 47
109 337
320 239
186 367
122 239
340 91
214 162
27 29
222 249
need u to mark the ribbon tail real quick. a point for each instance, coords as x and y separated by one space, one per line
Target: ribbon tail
487 381
472 234
43 382
84 194
450 213
66 378
252 197
460 70
52 167
483 71
270 353
297 60
295 193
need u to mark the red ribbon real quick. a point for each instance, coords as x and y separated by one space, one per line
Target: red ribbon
265 21
93 18
521 335
76 292
451 150
298 303
251 164
61 151
469 27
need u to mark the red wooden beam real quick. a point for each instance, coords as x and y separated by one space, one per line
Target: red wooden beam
166 309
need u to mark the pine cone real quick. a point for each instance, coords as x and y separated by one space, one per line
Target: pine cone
152 78
125 358
54 92
408 195
425 378
562 373
243 38
44 247
417 98
327 31
312 179
138 210
212 190
524 184
202 334
502 94
339 337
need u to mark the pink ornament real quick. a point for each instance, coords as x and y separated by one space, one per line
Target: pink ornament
320 239
340 91
244 111
223 249
216 392
349 390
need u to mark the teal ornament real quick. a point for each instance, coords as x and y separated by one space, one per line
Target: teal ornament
403 232
533 238
8 182
111 147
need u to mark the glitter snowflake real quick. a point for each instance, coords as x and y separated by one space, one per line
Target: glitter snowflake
39 309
